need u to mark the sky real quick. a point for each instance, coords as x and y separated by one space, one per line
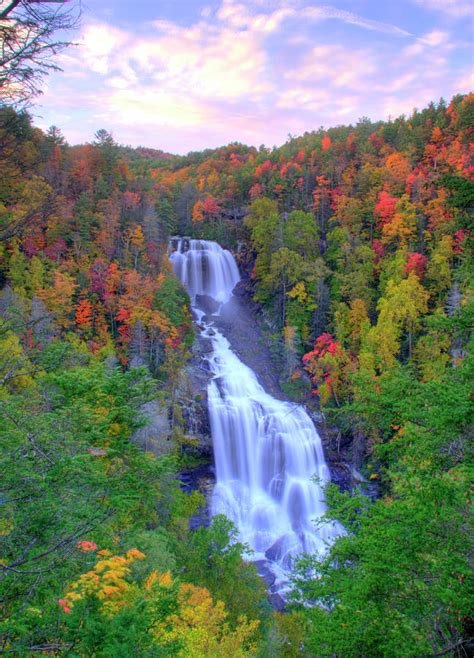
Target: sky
183 75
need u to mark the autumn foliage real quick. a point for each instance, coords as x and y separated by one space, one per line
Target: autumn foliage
416 263
355 243
186 620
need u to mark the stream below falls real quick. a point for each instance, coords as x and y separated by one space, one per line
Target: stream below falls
269 461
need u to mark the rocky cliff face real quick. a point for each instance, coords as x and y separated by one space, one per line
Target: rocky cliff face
191 401
193 397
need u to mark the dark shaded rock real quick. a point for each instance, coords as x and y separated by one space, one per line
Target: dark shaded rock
207 304
276 602
265 572
241 328
277 549
341 475
192 396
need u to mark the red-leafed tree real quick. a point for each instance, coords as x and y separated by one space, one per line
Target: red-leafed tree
208 208
416 263
326 364
385 208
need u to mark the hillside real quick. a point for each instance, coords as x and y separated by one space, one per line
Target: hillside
355 250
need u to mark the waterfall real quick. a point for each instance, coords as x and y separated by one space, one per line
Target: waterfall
204 268
269 460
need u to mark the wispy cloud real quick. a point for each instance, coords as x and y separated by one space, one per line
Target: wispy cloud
325 12
241 16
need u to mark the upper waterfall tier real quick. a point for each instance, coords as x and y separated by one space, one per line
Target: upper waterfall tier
204 268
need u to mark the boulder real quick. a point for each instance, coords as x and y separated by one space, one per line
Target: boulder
207 304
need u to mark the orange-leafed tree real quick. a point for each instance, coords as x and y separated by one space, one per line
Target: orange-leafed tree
326 143
83 315
398 170
207 208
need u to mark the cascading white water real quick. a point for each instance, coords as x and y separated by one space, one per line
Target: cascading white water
204 268
267 451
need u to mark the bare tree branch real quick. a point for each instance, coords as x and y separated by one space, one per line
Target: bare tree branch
28 45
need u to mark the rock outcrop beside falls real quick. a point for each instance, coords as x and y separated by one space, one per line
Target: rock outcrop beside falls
238 324
192 398
156 435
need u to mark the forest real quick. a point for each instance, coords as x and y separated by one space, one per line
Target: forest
357 245
354 245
